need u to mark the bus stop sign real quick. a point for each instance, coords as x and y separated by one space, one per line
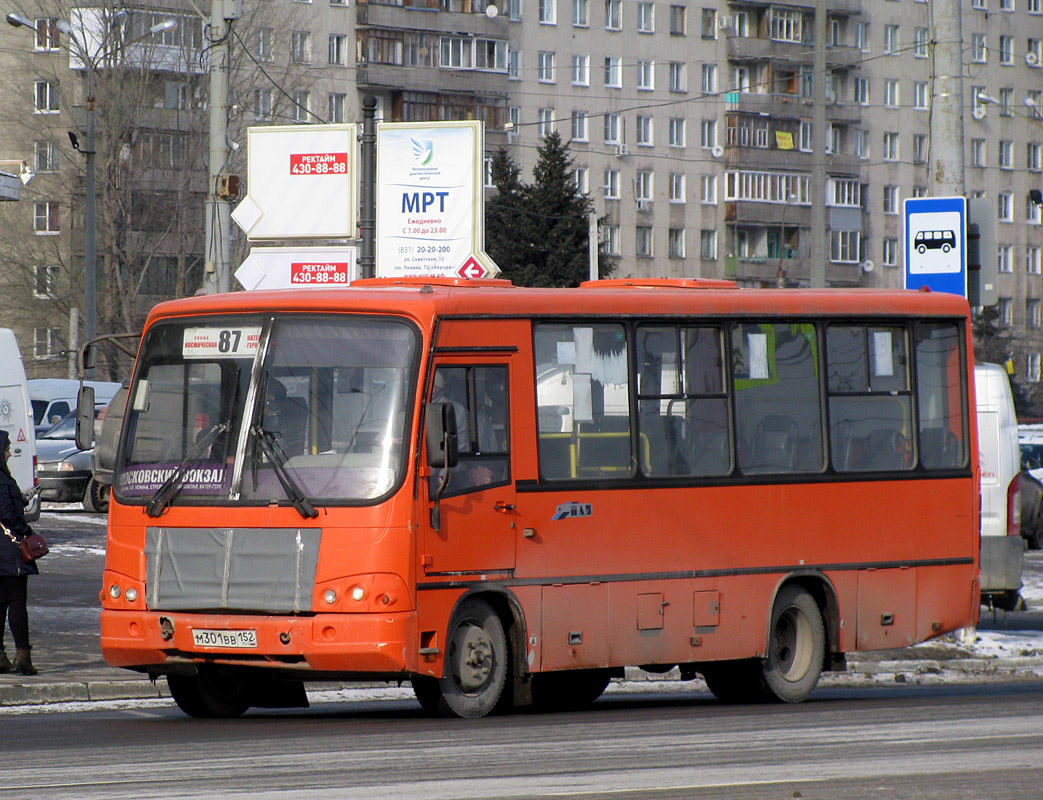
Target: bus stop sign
936 244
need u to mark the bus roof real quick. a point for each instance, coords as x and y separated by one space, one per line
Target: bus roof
427 298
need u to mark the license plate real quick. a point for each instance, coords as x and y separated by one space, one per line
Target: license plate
211 638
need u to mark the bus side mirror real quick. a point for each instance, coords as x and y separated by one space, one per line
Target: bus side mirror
85 418
441 435
87 357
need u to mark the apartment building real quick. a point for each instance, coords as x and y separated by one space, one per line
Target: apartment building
690 123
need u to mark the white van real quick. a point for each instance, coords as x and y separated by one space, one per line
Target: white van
1000 462
54 398
16 418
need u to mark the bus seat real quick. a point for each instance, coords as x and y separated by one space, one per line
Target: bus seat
886 449
774 444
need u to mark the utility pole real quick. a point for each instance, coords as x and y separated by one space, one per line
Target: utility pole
946 120
218 209
368 178
817 268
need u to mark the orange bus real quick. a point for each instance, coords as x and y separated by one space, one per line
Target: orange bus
507 495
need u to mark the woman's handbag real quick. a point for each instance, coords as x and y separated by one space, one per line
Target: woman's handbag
33 546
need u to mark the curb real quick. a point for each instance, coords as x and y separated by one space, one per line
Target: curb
49 692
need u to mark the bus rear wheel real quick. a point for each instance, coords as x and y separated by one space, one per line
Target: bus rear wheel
475 670
796 647
210 694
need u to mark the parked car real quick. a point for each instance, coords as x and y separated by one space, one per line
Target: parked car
53 398
65 472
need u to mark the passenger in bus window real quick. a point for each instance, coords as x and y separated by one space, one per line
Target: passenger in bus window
286 416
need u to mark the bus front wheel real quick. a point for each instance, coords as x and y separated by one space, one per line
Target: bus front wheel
210 694
475 671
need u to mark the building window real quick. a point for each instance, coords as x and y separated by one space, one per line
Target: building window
1033 364
861 143
1006 153
1006 98
46 343
643 241
262 104
1007 51
677 132
1032 317
1034 53
709 79
1033 262
45 282
548 10
708 134
613 134
613 15
338 49
678 77
890 146
337 102
610 239
708 189
677 21
889 256
47 35
890 199
785 24
579 126
708 244
264 44
844 247
513 65
301 102
862 91
613 72
921 39
545 67
645 76
891 98
1006 311
300 47
920 148
545 122
891 43
678 193
977 152
47 99
921 97
1005 207
643 186
45 217
675 243
1005 258
580 13
610 188
581 180
645 17
45 157
979 48
847 192
862 36
581 70
514 10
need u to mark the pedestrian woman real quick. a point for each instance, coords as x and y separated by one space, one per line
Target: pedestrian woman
14 573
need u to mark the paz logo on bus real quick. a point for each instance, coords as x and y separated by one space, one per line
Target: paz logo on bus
566 510
318 163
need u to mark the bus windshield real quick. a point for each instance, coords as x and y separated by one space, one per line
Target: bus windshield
299 409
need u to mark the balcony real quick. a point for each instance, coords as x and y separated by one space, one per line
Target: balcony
767 158
431 79
834 7
429 20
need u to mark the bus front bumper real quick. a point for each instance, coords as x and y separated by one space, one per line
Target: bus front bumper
332 644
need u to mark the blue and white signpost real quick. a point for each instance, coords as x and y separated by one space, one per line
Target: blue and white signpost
936 244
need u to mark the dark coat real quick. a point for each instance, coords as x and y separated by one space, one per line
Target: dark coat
12 514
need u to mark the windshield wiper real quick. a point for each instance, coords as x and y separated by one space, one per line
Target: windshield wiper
165 492
274 453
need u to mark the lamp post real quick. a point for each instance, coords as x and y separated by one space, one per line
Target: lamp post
90 60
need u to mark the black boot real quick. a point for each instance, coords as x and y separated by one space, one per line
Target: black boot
5 662
22 662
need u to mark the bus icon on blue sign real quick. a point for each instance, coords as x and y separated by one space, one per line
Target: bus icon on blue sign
934 240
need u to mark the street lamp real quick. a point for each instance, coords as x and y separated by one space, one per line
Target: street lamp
90 61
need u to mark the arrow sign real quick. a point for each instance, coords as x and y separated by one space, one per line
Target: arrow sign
472 269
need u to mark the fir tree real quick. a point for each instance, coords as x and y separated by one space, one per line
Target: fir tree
538 233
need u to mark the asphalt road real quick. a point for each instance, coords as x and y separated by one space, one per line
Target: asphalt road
924 743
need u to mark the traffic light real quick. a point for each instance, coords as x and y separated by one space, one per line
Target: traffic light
981 252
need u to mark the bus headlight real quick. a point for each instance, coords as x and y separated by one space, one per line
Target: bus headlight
330 597
357 593
115 591
131 594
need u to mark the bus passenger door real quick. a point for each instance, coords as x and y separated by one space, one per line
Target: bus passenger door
475 531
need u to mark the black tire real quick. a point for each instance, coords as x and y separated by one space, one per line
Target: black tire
212 694
475 669
570 690
96 496
796 646
796 653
